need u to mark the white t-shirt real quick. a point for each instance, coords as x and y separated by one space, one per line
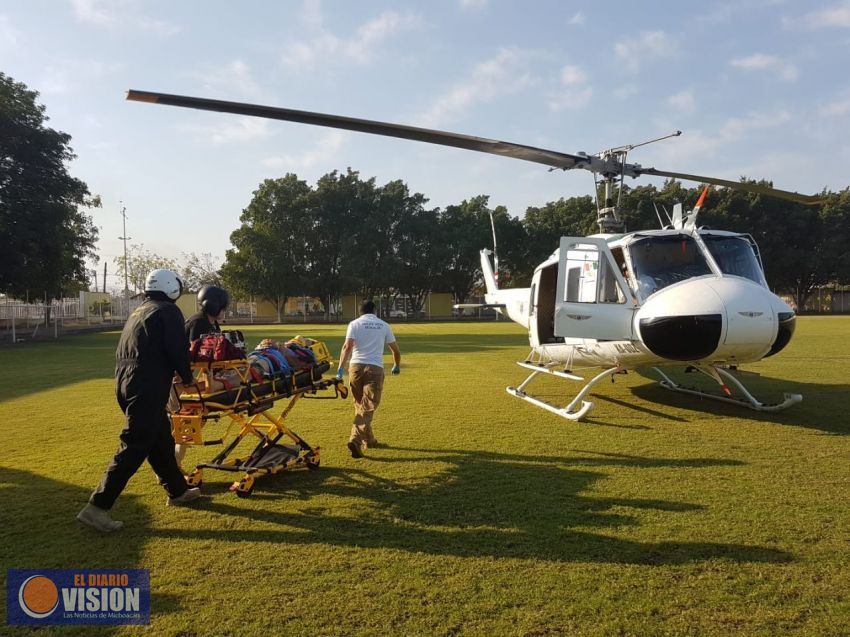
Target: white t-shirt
370 335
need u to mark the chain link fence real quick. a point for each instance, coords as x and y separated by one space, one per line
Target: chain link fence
22 321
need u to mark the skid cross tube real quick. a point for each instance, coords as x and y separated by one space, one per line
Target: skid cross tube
569 412
716 373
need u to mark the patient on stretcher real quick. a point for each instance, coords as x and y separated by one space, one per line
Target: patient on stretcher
269 363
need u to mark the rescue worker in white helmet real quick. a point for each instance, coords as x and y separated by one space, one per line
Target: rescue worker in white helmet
153 346
213 301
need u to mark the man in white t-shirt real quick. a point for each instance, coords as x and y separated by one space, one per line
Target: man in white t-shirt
364 344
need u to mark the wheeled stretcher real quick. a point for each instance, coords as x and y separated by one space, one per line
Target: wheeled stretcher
246 406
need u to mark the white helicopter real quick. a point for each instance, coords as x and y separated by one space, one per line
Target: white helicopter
680 296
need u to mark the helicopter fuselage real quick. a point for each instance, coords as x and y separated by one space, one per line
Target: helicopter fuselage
649 298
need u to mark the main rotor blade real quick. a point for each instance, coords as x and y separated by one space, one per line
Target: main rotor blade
468 142
737 185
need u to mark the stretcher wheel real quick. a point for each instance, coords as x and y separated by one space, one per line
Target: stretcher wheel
244 488
312 463
246 493
195 479
343 391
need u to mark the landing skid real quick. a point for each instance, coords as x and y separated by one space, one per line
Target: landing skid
577 408
719 374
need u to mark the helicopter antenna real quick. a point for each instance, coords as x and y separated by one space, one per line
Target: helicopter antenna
495 253
658 214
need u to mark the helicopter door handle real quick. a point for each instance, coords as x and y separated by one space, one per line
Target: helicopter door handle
578 317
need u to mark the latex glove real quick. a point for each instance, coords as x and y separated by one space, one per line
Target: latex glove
340 372
396 370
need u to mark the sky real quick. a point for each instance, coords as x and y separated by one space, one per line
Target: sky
760 88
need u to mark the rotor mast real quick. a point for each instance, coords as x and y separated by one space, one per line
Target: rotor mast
614 160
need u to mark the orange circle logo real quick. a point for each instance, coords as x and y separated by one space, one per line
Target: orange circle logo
38 596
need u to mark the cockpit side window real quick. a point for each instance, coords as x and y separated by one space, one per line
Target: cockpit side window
734 255
660 261
589 278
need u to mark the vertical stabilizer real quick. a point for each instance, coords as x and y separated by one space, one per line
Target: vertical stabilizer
490 282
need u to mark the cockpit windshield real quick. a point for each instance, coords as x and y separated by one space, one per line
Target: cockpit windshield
660 261
735 256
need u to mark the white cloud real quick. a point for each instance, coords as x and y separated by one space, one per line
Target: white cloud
504 74
577 19
73 74
836 16
574 92
325 150
572 75
770 63
838 107
94 12
571 98
683 101
755 62
473 4
737 128
10 37
233 77
114 14
698 144
361 48
649 44
241 131
159 27
372 33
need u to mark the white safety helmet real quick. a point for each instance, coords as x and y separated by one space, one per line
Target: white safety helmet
164 281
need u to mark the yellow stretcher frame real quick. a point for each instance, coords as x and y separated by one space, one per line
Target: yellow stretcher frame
250 413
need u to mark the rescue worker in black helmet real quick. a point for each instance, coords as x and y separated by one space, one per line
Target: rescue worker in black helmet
213 301
152 348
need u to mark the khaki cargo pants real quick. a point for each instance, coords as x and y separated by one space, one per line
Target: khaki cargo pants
366 383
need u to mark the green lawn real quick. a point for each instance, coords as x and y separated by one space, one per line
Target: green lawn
660 515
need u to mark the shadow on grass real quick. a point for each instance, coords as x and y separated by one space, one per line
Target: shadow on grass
823 406
39 366
484 504
39 531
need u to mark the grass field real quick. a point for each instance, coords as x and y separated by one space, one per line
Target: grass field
660 515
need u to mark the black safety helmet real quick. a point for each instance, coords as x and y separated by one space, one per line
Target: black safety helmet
212 299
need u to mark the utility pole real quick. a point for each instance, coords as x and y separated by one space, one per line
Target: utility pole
125 238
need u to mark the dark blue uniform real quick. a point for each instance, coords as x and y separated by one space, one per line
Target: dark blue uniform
153 346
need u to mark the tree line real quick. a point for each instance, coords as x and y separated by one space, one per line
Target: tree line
350 235
346 234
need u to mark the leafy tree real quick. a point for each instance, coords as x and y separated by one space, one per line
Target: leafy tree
200 270
464 231
337 206
641 207
269 248
802 247
45 237
140 262
573 217
416 249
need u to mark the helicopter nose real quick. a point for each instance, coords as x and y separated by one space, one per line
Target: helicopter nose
787 321
727 319
683 322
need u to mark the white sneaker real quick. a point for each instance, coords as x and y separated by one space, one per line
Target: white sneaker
190 494
99 519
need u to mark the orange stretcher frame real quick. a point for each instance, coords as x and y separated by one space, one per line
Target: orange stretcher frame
247 408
